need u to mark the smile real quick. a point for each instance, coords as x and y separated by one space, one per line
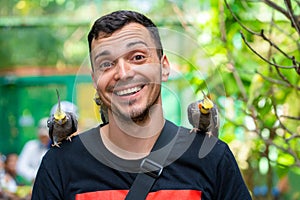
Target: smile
129 91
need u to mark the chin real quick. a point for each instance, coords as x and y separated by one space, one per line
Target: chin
132 114
140 116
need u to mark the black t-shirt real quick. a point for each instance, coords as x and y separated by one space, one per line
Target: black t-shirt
198 167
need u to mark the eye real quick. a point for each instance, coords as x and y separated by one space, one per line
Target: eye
106 65
138 57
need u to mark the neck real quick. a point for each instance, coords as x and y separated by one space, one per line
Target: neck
131 140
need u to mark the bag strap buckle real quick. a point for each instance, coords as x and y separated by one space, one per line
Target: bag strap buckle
151 168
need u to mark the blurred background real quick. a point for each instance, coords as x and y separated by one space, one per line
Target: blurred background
244 53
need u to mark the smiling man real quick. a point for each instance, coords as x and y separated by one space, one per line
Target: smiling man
127 74
128 67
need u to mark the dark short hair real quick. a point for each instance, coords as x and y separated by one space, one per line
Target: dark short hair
114 21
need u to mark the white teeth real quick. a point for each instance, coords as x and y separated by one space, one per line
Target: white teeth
129 91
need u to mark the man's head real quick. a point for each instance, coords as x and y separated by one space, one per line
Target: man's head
128 65
108 24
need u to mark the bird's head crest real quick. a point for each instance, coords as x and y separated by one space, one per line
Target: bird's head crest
59 115
60 121
205 105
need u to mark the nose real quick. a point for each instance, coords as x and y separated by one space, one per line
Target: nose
123 69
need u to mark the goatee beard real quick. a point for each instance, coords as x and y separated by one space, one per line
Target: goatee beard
136 117
142 117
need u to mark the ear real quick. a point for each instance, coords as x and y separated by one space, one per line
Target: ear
94 80
165 68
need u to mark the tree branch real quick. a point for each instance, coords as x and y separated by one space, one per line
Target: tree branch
292 17
286 34
278 78
290 117
288 13
260 34
276 7
266 60
279 82
281 75
231 63
238 21
274 104
180 16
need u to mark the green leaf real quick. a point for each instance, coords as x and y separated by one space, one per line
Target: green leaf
285 159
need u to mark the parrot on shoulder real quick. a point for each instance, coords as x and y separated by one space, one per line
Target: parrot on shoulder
203 116
62 125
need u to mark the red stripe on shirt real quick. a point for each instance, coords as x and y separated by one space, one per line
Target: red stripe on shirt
159 195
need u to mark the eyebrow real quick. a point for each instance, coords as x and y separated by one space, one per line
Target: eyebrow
135 43
103 53
106 52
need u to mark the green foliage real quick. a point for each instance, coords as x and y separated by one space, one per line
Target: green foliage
260 92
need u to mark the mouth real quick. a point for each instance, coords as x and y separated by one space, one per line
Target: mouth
129 91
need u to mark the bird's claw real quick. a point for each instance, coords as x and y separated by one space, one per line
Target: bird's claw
194 130
70 137
56 144
209 133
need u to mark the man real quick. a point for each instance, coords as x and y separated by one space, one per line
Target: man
128 66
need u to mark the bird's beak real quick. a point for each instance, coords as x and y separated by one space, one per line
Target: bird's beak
200 106
60 122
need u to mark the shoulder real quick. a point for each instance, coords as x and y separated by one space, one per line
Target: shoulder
200 146
68 149
197 141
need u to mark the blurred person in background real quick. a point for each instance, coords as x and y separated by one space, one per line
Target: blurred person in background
2 159
33 151
10 180
2 173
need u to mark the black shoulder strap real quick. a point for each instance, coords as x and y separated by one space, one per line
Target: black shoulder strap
152 166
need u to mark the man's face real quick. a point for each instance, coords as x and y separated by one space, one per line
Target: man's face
44 139
127 71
